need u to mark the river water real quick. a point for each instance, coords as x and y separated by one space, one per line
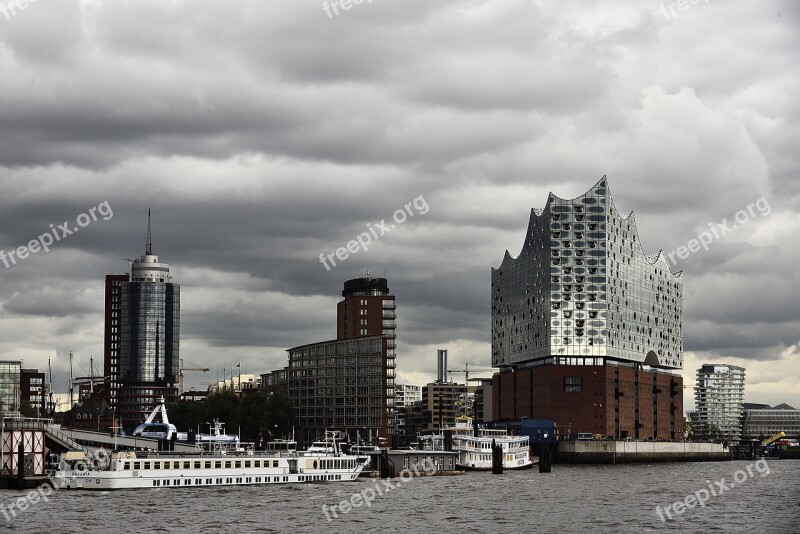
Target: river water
621 498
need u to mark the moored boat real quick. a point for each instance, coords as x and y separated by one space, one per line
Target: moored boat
137 469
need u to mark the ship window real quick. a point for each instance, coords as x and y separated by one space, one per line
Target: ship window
147 465
274 463
315 464
156 465
137 465
257 463
197 465
126 466
187 465
217 465
208 465
238 464
247 464
227 464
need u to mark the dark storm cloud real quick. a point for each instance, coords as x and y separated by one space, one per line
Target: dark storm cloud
262 134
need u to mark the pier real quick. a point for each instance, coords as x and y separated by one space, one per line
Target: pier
619 452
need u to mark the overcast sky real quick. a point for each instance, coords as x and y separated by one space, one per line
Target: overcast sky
265 132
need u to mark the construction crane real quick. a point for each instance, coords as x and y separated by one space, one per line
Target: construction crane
180 374
466 370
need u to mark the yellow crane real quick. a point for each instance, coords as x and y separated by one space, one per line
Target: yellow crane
180 374
773 439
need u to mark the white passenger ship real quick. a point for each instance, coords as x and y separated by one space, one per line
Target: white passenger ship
129 469
474 447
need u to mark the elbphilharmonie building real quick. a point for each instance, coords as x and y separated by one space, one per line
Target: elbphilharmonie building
584 295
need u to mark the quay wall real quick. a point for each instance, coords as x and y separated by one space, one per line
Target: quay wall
619 452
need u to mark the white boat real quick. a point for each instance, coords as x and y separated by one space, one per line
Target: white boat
159 430
474 446
217 438
137 469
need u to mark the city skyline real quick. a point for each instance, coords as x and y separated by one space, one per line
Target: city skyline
256 163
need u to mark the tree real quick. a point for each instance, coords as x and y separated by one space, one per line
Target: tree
253 417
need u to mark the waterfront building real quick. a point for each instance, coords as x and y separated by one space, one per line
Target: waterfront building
33 390
111 337
483 401
10 371
587 326
275 382
441 403
240 384
346 384
763 421
719 401
405 396
142 337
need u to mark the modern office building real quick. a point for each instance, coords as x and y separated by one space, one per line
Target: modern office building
441 404
342 385
33 390
149 337
346 384
587 326
482 410
719 401
10 371
275 382
405 396
111 337
763 421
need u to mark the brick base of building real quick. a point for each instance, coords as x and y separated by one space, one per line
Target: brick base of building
613 400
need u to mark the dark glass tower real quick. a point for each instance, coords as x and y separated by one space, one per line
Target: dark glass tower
149 341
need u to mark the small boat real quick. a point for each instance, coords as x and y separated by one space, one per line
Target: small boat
159 429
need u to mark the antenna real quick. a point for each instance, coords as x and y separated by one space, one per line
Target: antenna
149 248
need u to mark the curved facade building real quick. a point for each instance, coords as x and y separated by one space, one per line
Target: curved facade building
586 325
583 286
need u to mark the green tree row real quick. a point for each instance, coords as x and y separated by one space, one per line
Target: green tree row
254 417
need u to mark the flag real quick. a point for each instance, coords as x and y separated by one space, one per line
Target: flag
239 364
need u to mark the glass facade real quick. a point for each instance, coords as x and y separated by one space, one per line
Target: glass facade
583 286
149 332
9 384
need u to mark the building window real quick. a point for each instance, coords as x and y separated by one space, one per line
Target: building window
572 383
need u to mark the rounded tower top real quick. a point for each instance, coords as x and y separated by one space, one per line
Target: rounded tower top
365 286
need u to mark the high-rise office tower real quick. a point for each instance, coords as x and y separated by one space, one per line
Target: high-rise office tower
719 401
144 324
590 322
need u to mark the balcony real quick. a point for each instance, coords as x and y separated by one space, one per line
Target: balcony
389 314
